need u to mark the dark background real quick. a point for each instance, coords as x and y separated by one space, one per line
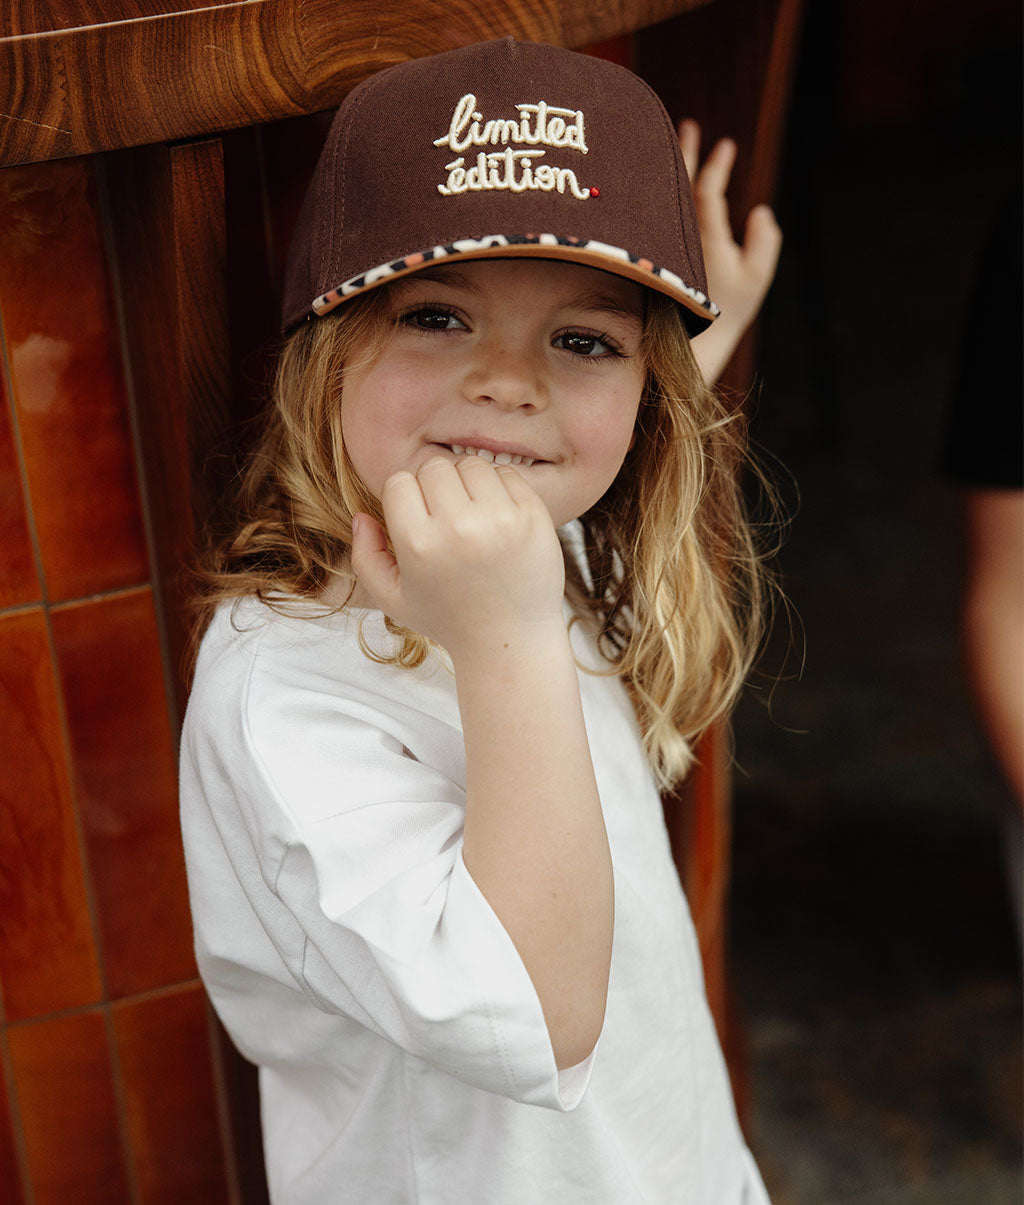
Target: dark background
874 954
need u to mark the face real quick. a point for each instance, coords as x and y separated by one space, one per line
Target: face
530 362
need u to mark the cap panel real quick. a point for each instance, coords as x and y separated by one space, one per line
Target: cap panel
508 138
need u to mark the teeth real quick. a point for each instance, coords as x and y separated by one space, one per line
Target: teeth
492 457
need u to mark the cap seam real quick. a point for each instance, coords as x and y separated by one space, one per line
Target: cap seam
670 134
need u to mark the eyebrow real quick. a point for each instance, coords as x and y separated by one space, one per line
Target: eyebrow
593 300
606 303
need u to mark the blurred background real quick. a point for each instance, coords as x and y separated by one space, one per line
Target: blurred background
873 948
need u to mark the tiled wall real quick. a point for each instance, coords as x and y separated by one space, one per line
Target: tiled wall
107 1088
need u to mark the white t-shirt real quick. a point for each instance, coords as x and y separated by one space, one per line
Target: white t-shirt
402 1049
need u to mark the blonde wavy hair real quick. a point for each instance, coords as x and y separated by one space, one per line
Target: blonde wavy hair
670 574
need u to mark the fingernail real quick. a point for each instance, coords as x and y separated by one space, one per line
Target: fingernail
356 524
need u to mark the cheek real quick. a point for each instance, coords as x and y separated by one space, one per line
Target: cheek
381 410
362 434
611 431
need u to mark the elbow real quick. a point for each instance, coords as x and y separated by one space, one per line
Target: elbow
574 1004
574 1037
572 1054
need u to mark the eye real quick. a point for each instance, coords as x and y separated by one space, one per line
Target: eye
432 318
581 343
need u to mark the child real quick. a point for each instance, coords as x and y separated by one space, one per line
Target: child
491 572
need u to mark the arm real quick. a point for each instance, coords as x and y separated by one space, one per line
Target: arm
994 623
738 275
478 568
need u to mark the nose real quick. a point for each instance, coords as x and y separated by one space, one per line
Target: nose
506 375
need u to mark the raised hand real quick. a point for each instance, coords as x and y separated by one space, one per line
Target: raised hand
476 557
739 274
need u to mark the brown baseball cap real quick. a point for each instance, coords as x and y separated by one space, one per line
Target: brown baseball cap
497 150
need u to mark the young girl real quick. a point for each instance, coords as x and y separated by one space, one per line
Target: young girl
490 575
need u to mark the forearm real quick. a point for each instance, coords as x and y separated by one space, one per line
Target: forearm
994 623
713 348
478 567
535 841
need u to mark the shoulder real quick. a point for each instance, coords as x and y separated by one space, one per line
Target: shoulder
290 723
251 646
296 669
299 642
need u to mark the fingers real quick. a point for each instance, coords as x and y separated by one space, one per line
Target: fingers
442 488
710 188
443 485
689 144
714 175
372 562
484 482
446 486
738 273
762 241
515 486
470 539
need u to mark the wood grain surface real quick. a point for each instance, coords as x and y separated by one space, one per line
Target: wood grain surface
151 70
167 215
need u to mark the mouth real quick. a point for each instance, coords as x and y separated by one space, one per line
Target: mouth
496 454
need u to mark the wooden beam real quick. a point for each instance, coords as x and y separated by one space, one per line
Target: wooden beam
167 215
157 70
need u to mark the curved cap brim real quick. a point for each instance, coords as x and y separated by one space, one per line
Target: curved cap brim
700 311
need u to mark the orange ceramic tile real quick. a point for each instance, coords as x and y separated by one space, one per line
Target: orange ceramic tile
65 1089
18 580
10 1181
47 956
126 785
66 379
172 1121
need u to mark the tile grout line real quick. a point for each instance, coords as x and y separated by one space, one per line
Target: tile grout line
78 1010
121 1103
66 603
